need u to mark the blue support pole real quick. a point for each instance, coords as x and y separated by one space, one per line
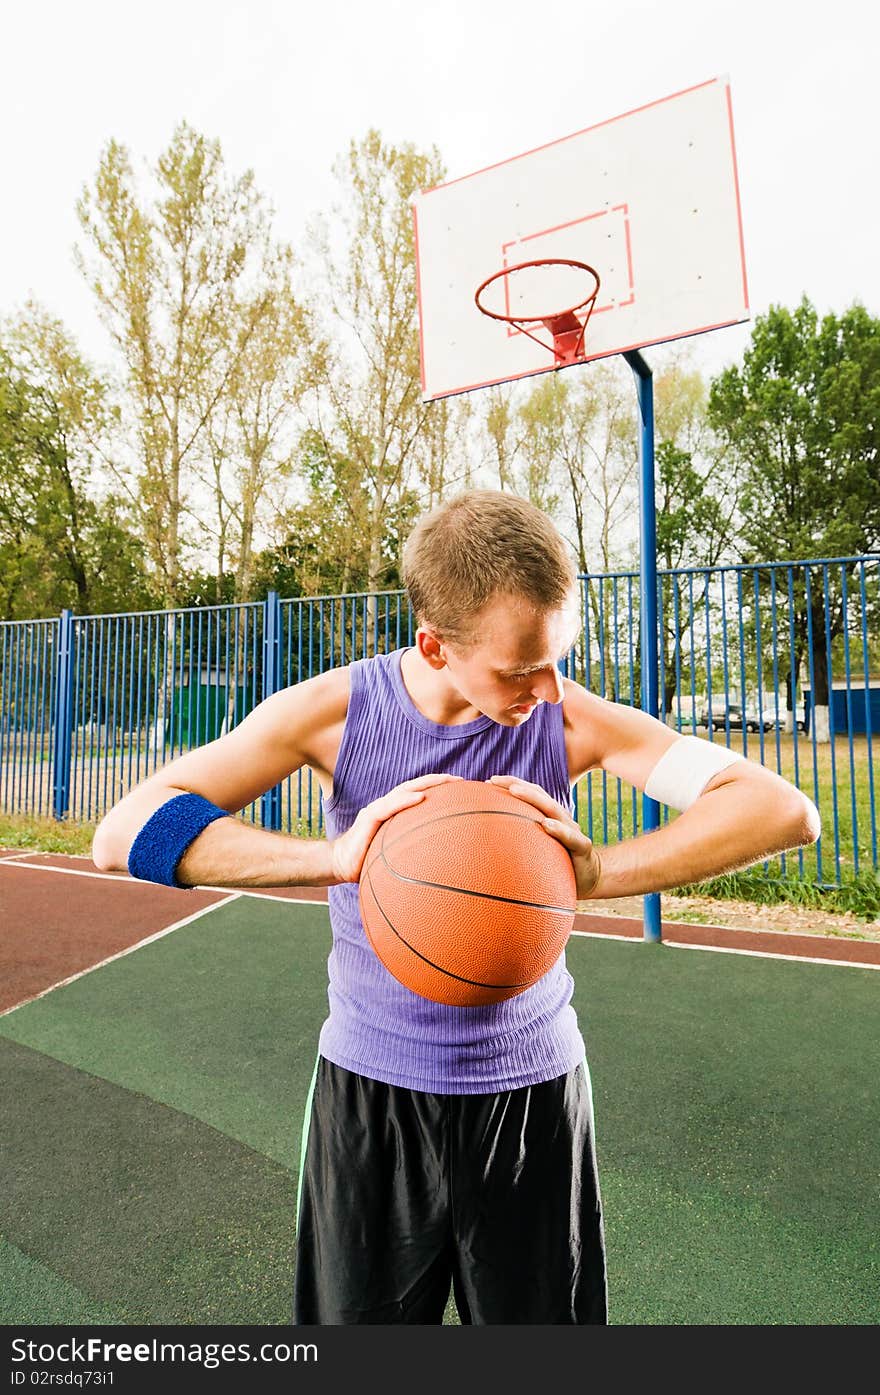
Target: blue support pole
648 583
271 800
62 716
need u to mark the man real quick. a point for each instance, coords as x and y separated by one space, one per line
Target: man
449 1145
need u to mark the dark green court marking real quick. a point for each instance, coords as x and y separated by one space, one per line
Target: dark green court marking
737 1119
685 1255
150 1213
219 1019
738 1134
30 1293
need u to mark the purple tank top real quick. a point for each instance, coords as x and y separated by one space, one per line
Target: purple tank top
376 1026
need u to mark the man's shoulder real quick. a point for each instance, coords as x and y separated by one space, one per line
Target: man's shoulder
587 722
333 685
579 704
608 715
320 700
328 693
598 731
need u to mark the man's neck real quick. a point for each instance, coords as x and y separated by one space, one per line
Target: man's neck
433 694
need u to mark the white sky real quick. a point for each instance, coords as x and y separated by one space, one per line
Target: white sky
286 87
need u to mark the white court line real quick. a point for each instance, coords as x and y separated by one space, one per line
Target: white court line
139 881
302 901
76 872
267 896
724 949
742 929
766 954
602 935
160 934
747 929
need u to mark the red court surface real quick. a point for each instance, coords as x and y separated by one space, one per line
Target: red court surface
56 924
61 917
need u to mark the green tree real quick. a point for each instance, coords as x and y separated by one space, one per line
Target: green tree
301 563
569 445
695 492
696 504
65 540
181 284
503 432
802 416
250 435
382 444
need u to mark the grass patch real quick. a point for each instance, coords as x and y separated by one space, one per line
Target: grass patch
44 834
838 779
860 896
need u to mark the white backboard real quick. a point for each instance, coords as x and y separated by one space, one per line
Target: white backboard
650 199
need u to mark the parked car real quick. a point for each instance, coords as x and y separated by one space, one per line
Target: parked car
732 715
734 712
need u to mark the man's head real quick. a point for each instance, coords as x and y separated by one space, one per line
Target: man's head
494 590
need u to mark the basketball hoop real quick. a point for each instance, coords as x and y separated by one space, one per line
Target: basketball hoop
565 326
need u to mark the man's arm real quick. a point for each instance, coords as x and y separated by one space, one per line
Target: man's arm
744 814
279 736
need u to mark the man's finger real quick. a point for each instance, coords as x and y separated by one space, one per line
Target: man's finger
569 834
530 794
421 782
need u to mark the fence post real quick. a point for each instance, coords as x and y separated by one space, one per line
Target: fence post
271 800
648 548
62 717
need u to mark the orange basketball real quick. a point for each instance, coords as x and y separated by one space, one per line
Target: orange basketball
465 898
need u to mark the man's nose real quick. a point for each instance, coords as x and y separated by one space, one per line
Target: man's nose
547 685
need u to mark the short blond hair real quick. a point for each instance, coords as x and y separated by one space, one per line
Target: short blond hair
475 546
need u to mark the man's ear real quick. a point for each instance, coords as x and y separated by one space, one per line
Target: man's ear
430 645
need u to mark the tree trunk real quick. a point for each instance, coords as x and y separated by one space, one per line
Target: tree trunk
164 694
819 698
375 569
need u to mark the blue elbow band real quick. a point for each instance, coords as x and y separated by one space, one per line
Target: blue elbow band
167 834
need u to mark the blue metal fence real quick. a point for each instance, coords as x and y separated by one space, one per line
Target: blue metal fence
780 661
28 714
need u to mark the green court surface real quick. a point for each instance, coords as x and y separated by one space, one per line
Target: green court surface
152 1111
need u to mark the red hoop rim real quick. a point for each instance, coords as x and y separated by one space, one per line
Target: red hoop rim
532 319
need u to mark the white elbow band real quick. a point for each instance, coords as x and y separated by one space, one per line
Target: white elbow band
683 772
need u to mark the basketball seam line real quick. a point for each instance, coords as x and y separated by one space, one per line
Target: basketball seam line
464 891
474 982
441 886
463 814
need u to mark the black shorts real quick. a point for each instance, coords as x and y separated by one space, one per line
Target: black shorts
405 1195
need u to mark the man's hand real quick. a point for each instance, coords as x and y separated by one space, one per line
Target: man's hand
559 823
350 848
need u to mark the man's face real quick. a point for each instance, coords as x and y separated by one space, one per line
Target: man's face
512 664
